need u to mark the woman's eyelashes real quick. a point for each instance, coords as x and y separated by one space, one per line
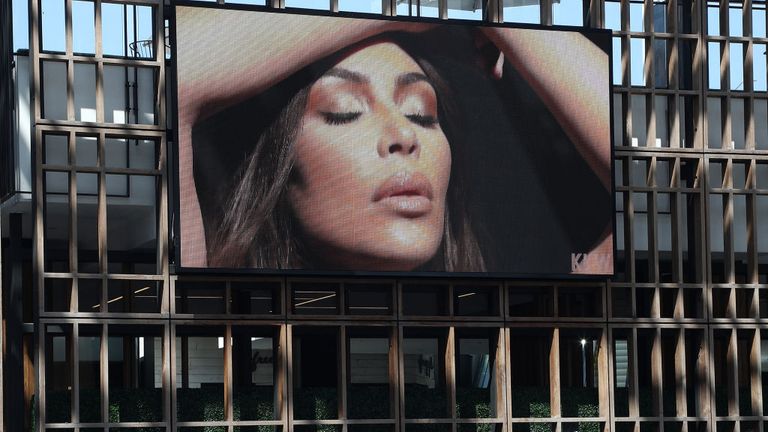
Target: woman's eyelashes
423 120
341 118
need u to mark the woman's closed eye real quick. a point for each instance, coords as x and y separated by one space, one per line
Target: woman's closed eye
340 118
423 120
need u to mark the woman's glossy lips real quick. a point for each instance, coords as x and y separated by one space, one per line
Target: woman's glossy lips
407 194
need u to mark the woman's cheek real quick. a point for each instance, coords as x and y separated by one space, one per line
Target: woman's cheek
439 159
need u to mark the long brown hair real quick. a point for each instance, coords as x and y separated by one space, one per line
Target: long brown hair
257 228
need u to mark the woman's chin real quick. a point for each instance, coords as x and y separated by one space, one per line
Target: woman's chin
401 257
393 247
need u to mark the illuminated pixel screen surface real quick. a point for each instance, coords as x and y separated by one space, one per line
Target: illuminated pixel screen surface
329 143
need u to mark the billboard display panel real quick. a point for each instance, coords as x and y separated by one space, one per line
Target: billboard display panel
329 143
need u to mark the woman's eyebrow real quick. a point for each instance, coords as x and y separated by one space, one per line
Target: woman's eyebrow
410 78
346 74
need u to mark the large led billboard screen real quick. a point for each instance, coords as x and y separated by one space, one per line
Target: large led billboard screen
328 143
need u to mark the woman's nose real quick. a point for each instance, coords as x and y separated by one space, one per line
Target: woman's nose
399 138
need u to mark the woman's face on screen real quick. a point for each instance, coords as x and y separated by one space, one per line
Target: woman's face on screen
372 163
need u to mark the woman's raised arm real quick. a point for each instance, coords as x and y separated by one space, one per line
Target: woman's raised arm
566 74
266 49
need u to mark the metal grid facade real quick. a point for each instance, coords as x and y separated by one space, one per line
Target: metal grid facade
684 315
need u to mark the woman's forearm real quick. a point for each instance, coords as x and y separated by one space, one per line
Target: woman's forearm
565 72
262 54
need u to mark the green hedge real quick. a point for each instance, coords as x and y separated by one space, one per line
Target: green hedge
424 402
368 401
530 401
315 403
254 403
473 403
365 401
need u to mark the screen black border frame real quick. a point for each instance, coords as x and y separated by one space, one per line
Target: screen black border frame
174 224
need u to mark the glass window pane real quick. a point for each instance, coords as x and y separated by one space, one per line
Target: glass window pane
116 153
115 103
475 300
368 298
83 25
368 390
426 395
58 373
136 373
535 301
255 298
85 92
637 61
254 373
758 19
616 64
315 369
132 222
425 299
127 30
145 81
141 40
462 9
89 295
57 294
738 130
716 232
579 373
113 26
86 151
369 6
613 15
713 18
735 19
736 65
761 202
662 120
476 391
142 154
56 220
660 16
204 297
568 12
20 19
660 55
89 356
429 8
691 248
315 298
200 373
636 15
55 151
52 21
54 90
758 67
522 11
580 301
713 65
87 223
308 4
134 296
529 363
714 123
